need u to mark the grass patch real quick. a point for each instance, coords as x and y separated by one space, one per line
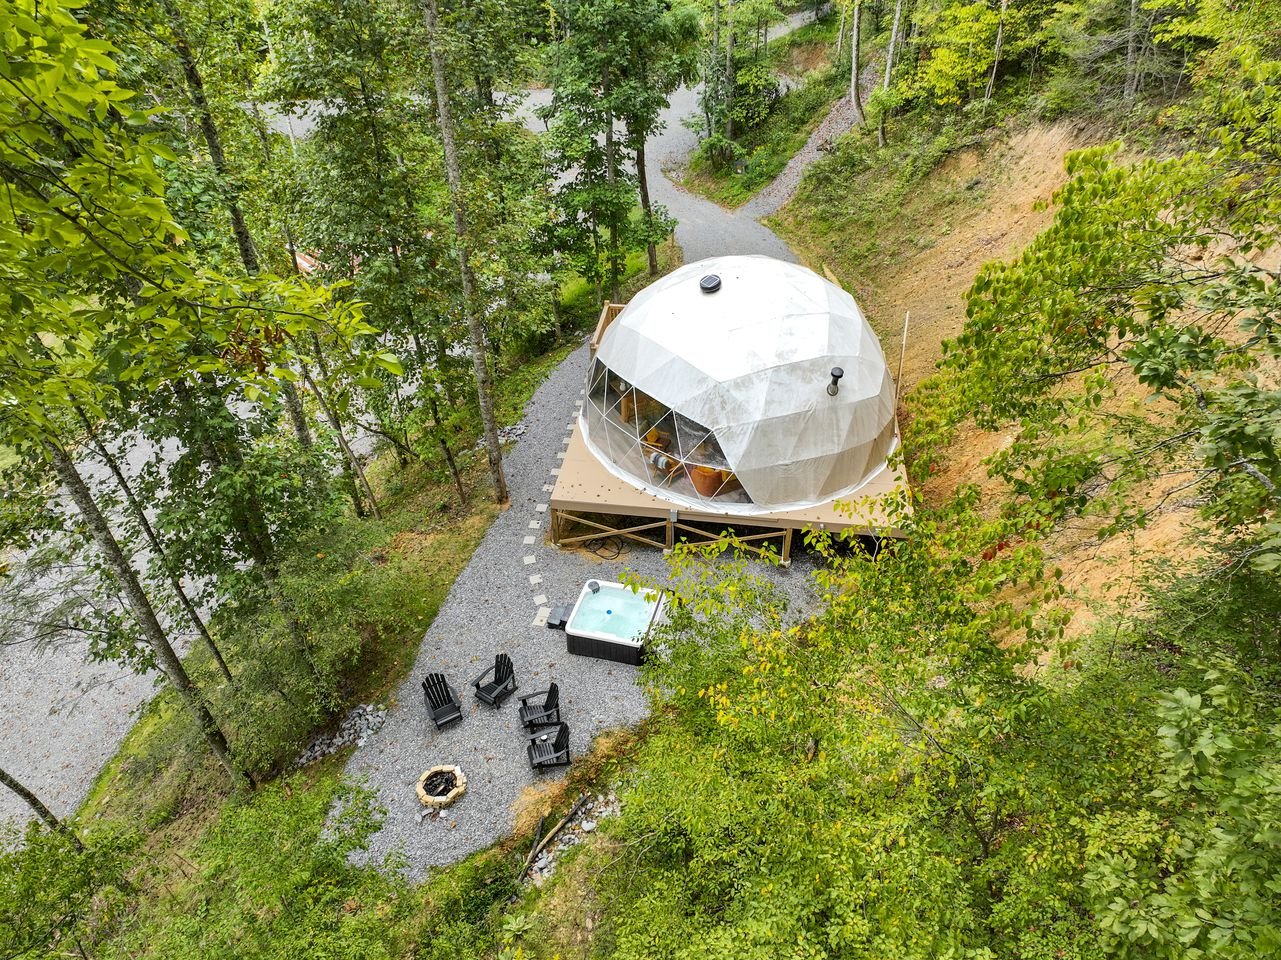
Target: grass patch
862 206
580 304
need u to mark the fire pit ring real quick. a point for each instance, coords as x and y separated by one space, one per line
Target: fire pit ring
440 786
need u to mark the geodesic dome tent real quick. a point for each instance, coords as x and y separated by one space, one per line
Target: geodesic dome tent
711 389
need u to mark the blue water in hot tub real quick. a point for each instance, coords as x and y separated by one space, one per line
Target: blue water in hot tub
614 612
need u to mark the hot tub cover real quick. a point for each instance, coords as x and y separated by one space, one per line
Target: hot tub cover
751 362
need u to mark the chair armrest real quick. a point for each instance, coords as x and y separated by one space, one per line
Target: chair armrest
537 693
547 732
476 682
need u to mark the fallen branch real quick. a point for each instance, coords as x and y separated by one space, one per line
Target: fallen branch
551 835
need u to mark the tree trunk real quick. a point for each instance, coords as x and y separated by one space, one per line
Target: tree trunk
889 56
1132 54
729 70
36 804
352 469
715 61
293 404
996 51
213 140
438 427
840 34
611 175
153 540
647 208
856 62
557 324
475 329
141 608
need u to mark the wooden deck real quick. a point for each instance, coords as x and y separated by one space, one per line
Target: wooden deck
589 503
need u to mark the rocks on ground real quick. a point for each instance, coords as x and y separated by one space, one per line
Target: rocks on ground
506 434
357 725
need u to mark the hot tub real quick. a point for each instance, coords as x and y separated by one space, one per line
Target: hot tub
612 621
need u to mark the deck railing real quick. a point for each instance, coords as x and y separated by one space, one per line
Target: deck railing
608 314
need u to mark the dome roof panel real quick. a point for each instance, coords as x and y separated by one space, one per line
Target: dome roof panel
752 363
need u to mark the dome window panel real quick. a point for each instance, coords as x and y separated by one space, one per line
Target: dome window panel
623 410
708 453
660 436
596 390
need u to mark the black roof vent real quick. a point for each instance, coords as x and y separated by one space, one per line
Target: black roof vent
834 387
710 283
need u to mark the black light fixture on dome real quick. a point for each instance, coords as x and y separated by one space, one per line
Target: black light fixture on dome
710 283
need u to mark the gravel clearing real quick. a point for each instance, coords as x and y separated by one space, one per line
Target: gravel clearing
490 609
61 720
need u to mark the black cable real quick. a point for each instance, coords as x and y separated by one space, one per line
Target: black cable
603 544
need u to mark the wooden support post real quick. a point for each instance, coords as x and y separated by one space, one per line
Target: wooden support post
671 531
902 352
787 547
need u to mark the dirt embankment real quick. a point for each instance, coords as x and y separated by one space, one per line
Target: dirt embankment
985 206
977 207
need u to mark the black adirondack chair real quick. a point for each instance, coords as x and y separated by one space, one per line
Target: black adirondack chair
442 705
541 714
501 683
549 747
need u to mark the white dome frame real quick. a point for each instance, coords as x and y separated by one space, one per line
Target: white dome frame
748 368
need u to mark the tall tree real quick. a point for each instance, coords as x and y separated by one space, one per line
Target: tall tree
658 51
140 604
856 59
154 543
475 327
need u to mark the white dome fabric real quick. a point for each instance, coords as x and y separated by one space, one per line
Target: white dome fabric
750 362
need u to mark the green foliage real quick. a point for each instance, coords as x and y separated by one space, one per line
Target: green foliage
962 39
52 890
1132 276
275 880
1197 874
755 95
766 148
925 768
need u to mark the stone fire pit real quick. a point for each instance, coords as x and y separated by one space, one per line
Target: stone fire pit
440 786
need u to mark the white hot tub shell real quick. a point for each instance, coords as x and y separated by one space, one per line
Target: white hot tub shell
612 621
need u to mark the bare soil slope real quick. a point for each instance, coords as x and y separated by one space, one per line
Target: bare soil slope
980 206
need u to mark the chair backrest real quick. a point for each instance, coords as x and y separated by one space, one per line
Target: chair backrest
437 690
503 670
562 738
553 698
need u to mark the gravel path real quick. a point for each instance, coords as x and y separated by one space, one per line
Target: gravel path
840 120
492 608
